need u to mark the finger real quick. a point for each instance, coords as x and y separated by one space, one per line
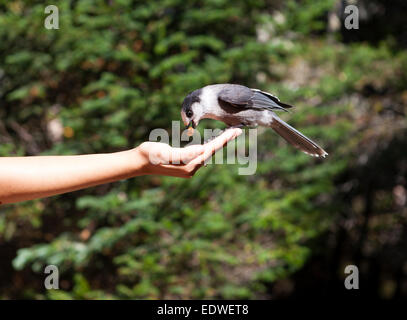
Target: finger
165 154
217 143
220 141
185 155
196 163
158 153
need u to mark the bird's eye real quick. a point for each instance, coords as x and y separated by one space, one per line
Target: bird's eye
190 113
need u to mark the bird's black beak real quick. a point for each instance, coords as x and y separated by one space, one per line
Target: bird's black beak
191 124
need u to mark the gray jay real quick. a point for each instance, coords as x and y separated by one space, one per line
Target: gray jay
238 106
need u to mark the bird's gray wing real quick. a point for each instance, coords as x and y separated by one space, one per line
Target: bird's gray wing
236 95
274 98
242 97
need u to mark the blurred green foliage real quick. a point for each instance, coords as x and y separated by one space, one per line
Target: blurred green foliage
114 71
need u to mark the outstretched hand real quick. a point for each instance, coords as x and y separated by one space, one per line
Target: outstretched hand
26 178
162 159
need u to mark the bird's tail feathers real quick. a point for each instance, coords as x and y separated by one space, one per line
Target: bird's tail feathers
296 138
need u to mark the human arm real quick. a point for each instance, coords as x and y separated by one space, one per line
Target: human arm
27 178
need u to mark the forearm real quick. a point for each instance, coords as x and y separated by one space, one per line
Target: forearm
26 178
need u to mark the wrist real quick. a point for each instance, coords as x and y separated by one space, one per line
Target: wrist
139 161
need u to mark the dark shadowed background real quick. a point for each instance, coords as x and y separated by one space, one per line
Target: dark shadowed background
115 70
